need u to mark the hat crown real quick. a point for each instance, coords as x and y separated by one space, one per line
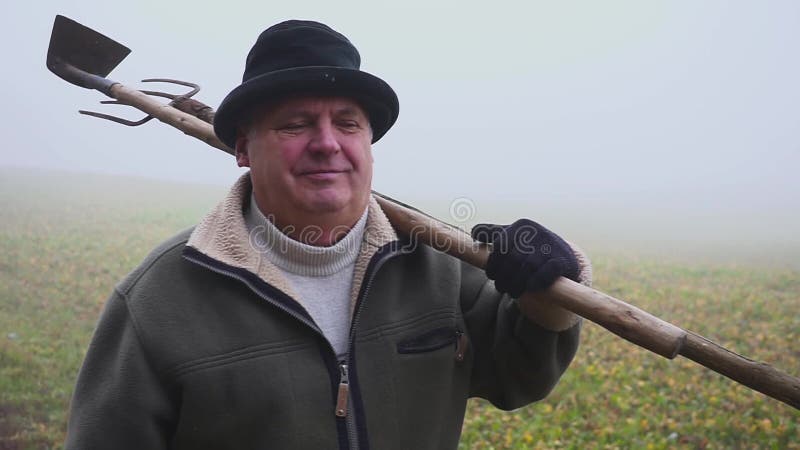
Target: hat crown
299 43
302 57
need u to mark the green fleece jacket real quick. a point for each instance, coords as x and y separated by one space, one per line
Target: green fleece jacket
205 346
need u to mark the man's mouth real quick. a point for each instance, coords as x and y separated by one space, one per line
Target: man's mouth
321 174
316 171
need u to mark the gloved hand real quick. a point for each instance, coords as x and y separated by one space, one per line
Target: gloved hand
525 256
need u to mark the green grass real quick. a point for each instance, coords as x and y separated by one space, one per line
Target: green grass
67 239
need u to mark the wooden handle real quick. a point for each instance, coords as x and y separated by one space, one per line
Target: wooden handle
753 374
195 108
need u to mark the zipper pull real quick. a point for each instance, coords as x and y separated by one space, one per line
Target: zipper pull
344 391
461 345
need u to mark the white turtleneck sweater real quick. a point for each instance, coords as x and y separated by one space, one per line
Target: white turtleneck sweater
321 276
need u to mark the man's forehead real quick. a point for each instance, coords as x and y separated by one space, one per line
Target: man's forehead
314 105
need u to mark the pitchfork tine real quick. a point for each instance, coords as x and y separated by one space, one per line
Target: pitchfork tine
116 119
195 87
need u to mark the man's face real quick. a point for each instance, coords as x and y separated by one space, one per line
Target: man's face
309 156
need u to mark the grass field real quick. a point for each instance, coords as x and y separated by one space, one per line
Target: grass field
66 239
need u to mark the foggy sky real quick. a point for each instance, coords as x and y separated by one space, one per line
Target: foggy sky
592 109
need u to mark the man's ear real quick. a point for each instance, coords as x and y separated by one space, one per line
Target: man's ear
240 151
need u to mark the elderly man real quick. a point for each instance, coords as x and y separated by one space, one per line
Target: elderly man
294 316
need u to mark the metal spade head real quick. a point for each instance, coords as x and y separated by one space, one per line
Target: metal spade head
81 55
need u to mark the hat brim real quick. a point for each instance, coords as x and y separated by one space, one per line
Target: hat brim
372 93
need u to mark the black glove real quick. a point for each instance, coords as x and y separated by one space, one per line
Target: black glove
525 256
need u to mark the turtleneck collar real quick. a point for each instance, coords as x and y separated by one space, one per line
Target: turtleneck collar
299 258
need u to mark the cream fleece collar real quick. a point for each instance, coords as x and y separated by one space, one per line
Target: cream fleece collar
222 235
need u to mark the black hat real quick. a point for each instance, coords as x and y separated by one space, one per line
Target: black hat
305 57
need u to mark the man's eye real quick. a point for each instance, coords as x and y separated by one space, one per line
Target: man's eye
293 126
350 124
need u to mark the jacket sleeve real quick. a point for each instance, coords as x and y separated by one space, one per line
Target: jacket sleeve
516 362
119 400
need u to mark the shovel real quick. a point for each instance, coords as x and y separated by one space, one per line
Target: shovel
84 57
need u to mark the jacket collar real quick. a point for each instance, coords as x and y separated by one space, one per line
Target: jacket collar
222 235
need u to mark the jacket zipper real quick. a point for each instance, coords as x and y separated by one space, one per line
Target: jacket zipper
344 391
461 345
346 365
343 405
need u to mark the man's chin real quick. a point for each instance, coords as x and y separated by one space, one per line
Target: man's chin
322 203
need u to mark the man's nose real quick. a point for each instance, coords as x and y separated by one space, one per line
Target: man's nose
325 139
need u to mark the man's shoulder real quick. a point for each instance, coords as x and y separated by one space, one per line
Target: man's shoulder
161 260
445 267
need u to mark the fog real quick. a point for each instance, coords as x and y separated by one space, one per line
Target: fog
615 121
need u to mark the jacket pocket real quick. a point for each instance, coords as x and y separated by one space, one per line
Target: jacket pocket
435 339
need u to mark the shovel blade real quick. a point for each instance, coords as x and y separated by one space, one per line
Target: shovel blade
75 46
